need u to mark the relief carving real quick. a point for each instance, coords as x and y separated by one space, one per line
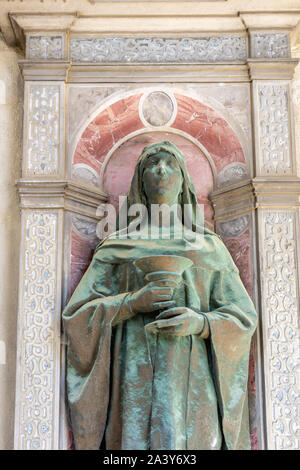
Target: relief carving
45 47
38 388
43 134
274 136
281 313
158 50
270 45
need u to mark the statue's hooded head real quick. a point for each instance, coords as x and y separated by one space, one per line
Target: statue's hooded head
187 198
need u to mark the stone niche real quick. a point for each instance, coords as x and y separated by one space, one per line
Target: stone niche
211 124
92 102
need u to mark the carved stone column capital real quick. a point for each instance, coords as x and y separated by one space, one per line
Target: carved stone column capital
272 69
61 194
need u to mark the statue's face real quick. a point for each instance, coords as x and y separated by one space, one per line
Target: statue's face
162 179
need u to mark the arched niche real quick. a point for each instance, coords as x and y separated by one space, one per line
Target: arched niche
200 123
109 145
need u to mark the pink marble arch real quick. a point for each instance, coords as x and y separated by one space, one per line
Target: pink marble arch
121 118
240 250
119 170
197 120
82 250
112 124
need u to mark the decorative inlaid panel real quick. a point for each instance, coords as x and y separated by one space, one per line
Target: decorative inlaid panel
157 109
270 45
43 143
158 50
45 47
85 174
274 129
39 334
234 227
232 173
281 324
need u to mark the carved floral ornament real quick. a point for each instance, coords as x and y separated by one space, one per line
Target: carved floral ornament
208 48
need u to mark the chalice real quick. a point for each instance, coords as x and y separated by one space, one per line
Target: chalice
165 270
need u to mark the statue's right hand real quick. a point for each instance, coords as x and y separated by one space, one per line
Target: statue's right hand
153 296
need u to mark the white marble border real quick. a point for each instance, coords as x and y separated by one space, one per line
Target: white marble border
279 276
170 130
39 325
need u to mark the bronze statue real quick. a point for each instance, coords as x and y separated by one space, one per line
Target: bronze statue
160 362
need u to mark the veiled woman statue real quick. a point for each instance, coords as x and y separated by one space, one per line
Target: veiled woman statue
181 384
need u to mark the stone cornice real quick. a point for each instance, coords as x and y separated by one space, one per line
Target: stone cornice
247 195
87 72
268 69
134 19
253 69
60 194
259 13
270 20
50 70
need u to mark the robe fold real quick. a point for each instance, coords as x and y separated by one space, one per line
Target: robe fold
133 389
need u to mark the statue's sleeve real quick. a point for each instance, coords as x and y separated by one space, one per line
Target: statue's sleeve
232 321
88 320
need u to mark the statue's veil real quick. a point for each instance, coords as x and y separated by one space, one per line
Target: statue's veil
136 194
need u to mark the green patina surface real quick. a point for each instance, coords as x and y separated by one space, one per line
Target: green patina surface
183 384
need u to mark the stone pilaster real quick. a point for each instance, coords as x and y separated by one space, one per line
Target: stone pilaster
276 191
277 223
47 200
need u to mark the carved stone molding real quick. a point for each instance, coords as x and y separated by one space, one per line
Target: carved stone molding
233 200
280 291
37 389
271 69
61 194
245 196
158 49
133 72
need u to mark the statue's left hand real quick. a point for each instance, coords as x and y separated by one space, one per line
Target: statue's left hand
179 321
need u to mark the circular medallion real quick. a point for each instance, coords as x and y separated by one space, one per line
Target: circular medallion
157 108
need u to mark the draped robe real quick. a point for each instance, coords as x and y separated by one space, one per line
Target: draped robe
132 389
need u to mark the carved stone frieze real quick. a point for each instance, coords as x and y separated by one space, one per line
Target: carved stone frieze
281 325
47 47
37 391
274 143
270 45
158 49
43 134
